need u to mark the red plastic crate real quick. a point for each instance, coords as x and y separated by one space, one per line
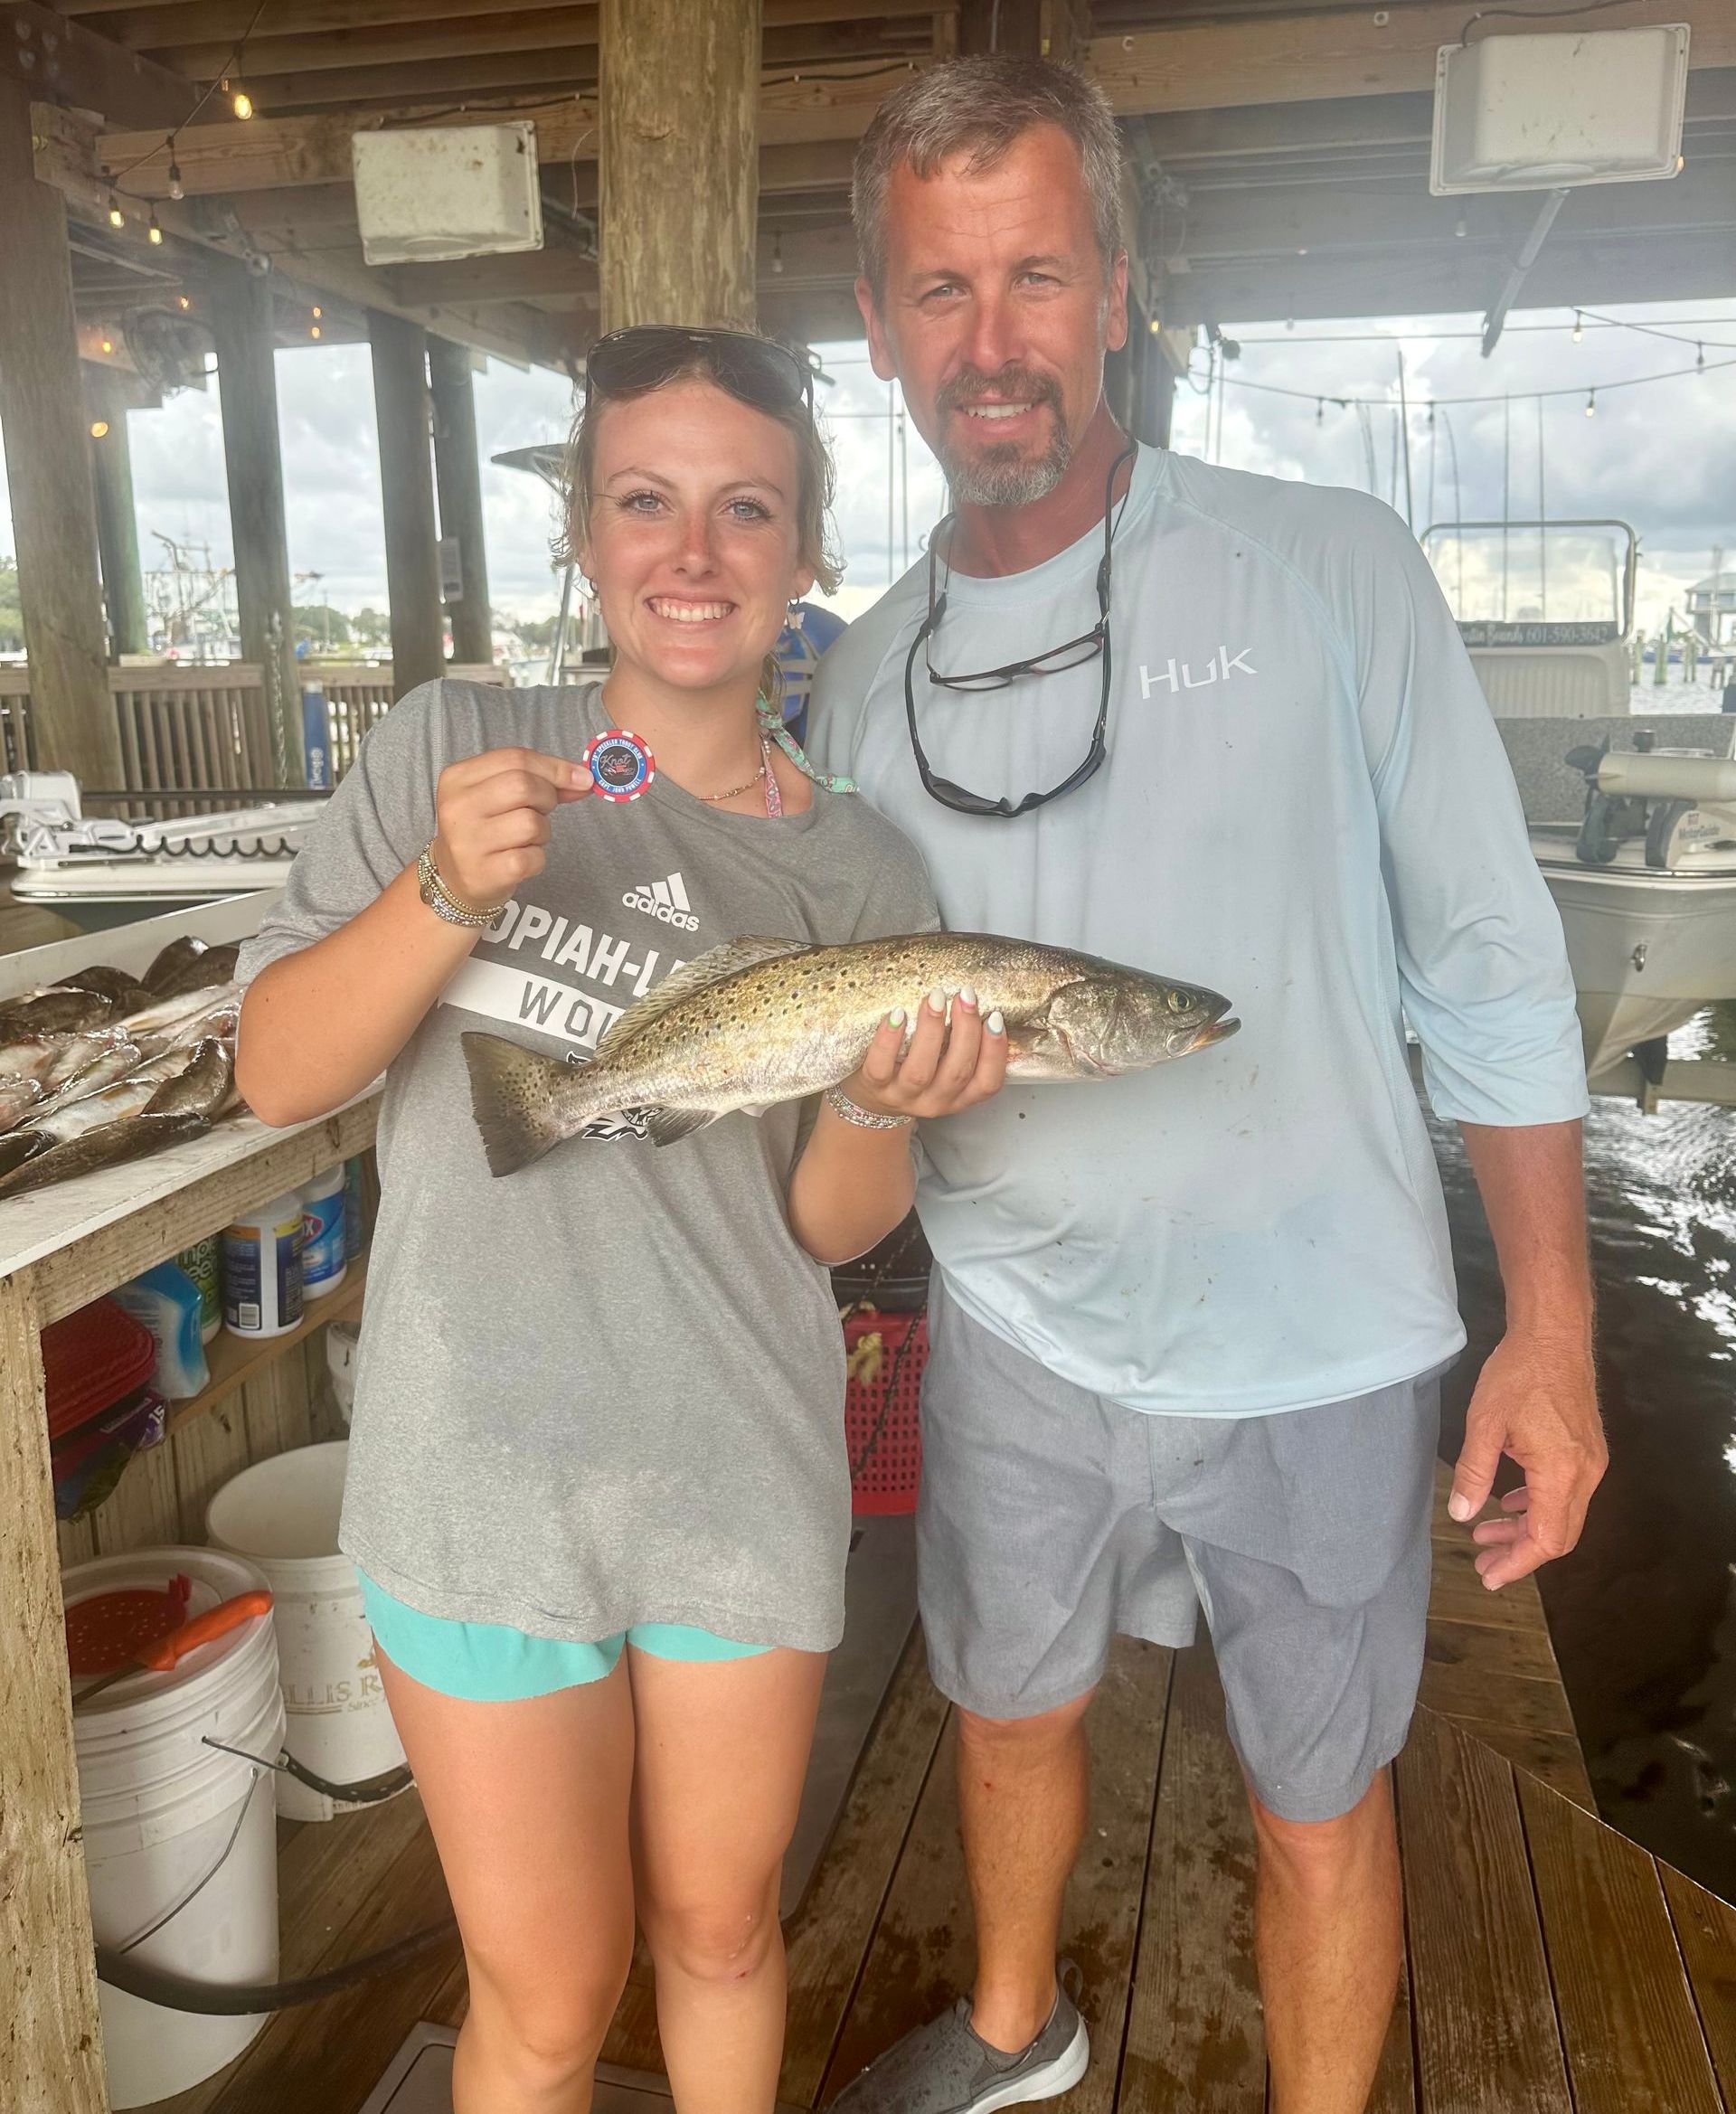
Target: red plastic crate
92 1360
881 1426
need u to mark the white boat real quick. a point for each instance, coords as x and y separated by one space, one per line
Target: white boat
91 867
1645 879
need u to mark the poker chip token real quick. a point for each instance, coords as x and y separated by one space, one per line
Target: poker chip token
621 766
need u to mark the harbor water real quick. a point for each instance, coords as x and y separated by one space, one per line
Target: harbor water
1643 1613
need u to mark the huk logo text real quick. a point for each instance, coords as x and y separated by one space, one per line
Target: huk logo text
1179 676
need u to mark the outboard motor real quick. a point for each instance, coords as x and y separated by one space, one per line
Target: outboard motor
1682 802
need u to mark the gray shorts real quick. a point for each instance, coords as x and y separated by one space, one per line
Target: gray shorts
1053 1520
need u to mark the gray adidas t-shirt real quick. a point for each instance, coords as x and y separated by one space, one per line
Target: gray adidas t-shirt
608 1389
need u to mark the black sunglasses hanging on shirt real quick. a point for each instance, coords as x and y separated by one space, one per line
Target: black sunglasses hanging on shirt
1074 653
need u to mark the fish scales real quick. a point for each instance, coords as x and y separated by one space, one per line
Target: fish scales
766 1021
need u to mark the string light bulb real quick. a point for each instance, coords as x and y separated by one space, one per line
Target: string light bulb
1699 359
318 311
1591 404
153 233
777 254
99 428
185 301
1320 411
1579 326
116 219
177 189
315 331
107 344
241 103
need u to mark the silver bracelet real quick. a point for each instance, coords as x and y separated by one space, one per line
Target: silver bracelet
840 1104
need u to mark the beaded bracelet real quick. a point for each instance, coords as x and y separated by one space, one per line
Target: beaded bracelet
840 1104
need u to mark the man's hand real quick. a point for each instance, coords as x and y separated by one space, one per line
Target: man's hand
1536 1401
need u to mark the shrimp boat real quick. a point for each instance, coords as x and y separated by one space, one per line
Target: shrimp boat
1632 816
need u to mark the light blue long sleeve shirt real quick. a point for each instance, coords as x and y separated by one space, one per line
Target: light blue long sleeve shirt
1307 806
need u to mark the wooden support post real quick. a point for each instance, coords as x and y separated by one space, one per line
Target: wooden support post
679 120
111 470
240 312
458 477
407 491
51 2050
48 466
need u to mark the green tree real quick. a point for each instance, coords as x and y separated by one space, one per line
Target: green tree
318 625
370 626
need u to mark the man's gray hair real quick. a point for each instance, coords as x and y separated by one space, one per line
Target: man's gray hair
980 107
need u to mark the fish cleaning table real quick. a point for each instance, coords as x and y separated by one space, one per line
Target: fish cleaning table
60 1248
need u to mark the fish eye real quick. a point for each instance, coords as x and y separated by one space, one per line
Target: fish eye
1177 1001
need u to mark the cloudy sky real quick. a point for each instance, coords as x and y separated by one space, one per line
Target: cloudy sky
1662 455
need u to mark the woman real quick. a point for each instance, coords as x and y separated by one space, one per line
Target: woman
598 1492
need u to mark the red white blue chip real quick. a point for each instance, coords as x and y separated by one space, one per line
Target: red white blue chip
620 765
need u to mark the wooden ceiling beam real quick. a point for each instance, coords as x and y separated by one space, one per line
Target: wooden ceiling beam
1307 219
530 275
1322 56
190 24
58 61
823 120
537 72
372 42
1432 281
1208 66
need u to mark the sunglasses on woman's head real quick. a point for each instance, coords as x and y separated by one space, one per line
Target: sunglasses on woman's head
757 370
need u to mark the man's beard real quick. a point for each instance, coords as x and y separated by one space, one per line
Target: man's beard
1003 475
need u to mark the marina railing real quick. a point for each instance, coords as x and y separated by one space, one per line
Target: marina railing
188 729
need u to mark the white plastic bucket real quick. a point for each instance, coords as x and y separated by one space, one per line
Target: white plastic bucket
164 1812
282 1515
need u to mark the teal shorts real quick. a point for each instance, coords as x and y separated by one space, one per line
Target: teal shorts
488 1662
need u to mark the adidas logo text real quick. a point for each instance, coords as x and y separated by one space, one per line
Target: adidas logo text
667 901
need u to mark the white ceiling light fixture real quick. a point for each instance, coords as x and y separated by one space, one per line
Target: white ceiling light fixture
436 192
1555 111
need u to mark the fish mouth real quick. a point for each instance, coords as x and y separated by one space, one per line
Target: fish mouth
1214 1031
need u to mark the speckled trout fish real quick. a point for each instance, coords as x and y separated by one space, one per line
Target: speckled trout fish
763 1021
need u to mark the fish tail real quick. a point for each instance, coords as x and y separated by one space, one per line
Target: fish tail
522 1100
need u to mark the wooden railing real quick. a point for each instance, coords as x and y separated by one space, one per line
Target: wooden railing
208 728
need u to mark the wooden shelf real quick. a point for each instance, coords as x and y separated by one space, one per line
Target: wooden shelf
234 1359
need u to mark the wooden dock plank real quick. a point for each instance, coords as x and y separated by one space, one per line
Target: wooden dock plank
1554 1757
1466 1691
1486 2030
340 1883
1632 2038
830 1934
1194 2039
1705 1930
1520 1650
921 1957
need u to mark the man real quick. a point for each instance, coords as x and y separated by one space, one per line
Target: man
1188 1327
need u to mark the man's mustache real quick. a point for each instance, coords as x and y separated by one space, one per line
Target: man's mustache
970 386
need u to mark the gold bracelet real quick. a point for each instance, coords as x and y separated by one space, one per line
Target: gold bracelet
441 901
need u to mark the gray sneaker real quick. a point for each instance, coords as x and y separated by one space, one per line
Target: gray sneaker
944 2068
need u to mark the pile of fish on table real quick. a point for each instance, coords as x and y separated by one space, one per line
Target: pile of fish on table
104 1067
